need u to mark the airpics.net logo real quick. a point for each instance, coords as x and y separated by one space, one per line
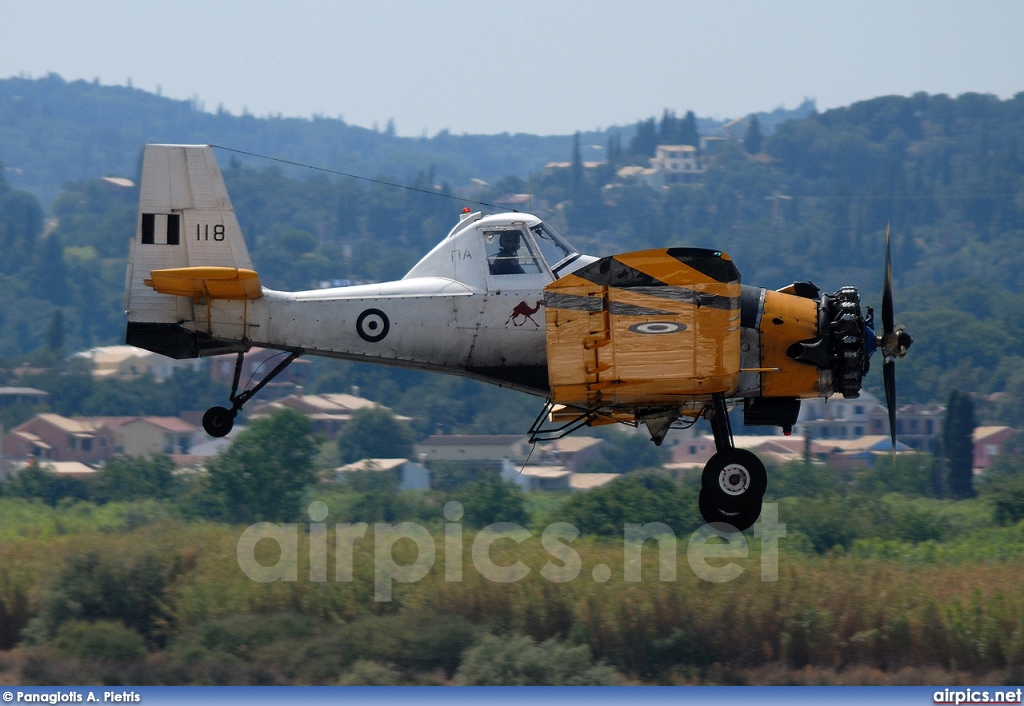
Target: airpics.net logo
710 553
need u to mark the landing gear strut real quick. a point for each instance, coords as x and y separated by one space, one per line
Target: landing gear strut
218 421
734 480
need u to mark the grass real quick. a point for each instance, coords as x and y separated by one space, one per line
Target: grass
883 610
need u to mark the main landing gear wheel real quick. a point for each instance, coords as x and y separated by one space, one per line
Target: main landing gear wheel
734 479
218 421
728 522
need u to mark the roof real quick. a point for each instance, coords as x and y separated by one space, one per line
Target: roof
586 481
879 442
330 405
983 433
78 425
114 354
471 440
32 439
67 468
373 464
22 391
573 444
545 471
174 424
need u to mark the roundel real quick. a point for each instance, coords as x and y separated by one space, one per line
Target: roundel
658 327
373 325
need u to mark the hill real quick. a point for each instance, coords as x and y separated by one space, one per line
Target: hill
810 200
53 132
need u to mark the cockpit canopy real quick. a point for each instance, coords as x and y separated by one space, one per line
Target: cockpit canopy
508 250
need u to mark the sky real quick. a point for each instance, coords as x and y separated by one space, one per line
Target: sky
544 67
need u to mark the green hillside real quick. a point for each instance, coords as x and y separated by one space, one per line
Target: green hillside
810 201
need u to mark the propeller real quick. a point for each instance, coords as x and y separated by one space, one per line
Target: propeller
893 341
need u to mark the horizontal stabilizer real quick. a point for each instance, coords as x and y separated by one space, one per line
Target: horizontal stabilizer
213 282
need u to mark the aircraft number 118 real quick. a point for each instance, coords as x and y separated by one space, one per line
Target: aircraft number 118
203 232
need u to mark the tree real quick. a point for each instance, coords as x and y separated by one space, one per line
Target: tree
131 478
374 432
688 134
576 169
491 500
753 139
262 475
958 444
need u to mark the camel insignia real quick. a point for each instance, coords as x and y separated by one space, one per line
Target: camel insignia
525 311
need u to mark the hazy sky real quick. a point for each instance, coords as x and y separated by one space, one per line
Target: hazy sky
534 66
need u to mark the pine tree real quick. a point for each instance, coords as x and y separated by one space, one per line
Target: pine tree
958 444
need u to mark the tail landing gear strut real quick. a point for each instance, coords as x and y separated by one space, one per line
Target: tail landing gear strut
734 480
218 421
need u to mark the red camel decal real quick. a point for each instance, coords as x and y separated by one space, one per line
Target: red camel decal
523 309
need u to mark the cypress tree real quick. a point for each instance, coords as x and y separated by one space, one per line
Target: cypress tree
753 139
958 444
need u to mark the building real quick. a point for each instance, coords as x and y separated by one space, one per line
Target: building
328 412
581 482
571 451
838 418
145 436
51 437
94 440
676 164
537 477
255 366
10 396
411 476
484 452
988 445
131 363
919 426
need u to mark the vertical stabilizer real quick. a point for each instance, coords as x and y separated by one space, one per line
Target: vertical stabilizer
185 220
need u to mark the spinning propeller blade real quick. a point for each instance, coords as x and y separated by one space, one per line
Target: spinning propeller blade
894 342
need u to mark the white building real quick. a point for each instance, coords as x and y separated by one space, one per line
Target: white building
411 476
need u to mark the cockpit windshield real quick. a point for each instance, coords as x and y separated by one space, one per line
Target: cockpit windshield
553 247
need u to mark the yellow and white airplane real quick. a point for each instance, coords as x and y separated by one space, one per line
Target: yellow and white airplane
655 337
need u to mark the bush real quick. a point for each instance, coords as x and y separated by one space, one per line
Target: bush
95 586
491 500
363 672
519 661
103 640
635 498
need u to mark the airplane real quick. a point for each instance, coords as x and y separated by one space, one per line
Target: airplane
659 337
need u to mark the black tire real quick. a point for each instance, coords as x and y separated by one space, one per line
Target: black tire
735 479
218 421
728 522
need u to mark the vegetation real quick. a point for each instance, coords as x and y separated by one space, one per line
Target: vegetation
889 574
811 202
262 475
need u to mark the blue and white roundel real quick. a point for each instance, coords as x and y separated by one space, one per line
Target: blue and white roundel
658 327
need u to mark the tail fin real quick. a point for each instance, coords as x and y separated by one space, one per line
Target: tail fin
185 221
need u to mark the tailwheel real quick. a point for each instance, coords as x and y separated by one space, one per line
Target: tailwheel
734 479
728 522
218 421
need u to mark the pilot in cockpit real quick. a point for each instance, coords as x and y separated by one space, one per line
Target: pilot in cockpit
507 260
